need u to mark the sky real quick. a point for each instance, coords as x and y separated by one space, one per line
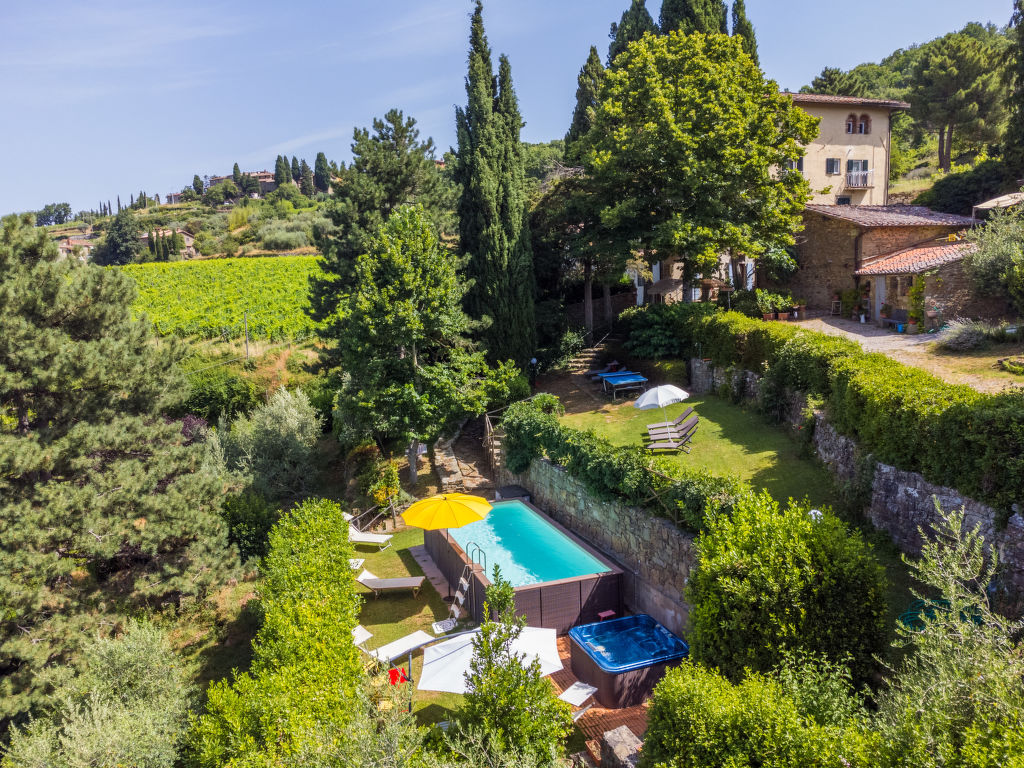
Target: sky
106 98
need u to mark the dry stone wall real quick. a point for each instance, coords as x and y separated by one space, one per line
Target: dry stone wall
900 502
656 555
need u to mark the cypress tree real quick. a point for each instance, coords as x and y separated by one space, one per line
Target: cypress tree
588 90
236 174
280 171
492 215
109 207
704 16
633 25
742 27
1013 142
151 242
103 509
296 170
321 173
306 185
118 203
197 184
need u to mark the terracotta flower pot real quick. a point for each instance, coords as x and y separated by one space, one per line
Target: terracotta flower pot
767 316
783 315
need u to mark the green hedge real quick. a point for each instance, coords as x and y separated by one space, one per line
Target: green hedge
906 417
306 670
615 472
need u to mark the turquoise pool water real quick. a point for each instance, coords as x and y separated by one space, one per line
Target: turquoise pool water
527 548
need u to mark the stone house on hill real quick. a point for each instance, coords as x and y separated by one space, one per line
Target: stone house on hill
845 246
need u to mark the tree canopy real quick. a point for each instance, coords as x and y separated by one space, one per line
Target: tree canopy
1013 146
704 16
588 90
122 244
634 24
493 222
687 142
836 82
742 28
101 502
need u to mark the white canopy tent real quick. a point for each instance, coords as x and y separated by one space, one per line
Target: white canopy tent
445 664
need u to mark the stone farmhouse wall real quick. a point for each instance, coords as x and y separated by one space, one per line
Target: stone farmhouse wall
657 556
901 502
829 251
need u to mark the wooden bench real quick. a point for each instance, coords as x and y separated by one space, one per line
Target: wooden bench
898 317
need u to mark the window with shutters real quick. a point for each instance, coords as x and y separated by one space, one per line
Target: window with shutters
832 167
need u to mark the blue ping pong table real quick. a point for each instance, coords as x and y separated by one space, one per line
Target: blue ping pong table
623 382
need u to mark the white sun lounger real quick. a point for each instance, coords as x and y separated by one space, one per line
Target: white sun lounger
382 540
389 585
360 635
401 647
575 695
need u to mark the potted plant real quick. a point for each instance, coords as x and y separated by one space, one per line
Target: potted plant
782 305
915 315
765 304
800 307
885 311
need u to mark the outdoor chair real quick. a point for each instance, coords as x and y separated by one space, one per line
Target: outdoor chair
674 433
382 540
575 695
673 424
400 647
377 586
672 442
610 368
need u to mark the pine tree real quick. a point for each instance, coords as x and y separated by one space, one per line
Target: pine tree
1013 142
321 173
633 25
306 185
587 92
704 16
101 505
836 82
492 215
296 170
741 26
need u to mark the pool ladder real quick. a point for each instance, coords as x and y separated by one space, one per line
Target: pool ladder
476 556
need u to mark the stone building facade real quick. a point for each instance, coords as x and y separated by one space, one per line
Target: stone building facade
838 240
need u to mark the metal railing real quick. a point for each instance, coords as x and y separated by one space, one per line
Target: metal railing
860 179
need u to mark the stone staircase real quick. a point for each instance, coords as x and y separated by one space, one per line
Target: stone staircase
591 357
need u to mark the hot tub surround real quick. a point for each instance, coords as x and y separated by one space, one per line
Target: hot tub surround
624 658
559 604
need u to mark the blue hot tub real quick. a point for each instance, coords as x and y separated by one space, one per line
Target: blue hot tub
624 658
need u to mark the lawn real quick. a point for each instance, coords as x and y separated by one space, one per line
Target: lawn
730 440
978 368
397 614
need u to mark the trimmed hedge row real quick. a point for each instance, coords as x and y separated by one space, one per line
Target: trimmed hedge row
615 472
951 434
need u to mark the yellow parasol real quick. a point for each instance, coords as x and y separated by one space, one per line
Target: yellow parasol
446 510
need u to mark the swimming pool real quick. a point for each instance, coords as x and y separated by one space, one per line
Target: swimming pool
558 579
624 658
527 548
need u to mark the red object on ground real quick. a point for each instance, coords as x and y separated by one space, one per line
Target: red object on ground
605 615
396 676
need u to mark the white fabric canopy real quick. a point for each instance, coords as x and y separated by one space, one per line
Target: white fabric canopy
659 397
445 665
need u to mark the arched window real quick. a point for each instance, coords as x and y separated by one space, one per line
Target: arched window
864 126
851 124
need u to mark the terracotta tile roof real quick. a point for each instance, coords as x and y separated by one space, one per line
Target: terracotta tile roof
911 261
891 215
850 101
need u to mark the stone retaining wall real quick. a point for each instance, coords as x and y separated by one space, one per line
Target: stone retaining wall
901 502
656 556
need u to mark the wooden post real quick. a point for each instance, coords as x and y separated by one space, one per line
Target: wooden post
245 323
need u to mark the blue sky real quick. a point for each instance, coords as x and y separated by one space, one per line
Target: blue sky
106 98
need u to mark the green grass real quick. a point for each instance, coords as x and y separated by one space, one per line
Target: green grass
397 614
730 440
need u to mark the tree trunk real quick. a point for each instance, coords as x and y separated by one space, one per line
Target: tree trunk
943 163
588 300
607 304
949 149
414 460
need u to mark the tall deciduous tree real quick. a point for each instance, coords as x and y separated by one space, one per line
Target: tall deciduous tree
704 16
402 340
493 224
102 508
957 92
588 89
321 173
836 82
685 146
634 24
742 28
391 167
1013 145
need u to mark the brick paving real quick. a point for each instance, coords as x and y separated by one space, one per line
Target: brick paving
598 719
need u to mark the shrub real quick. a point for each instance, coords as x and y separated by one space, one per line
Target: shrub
128 705
379 481
219 391
659 330
513 704
698 718
770 580
249 517
279 239
959 192
306 671
321 391
963 335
